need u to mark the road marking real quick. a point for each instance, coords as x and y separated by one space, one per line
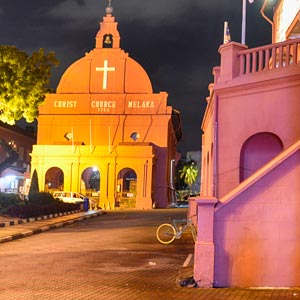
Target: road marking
187 261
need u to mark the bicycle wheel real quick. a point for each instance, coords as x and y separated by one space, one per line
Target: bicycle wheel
166 233
194 233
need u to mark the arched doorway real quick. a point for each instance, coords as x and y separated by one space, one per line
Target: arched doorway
126 188
257 151
90 182
54 180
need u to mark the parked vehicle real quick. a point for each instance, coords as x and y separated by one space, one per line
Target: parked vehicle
74 197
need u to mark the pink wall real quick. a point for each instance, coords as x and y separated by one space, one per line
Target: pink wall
257 234
248 111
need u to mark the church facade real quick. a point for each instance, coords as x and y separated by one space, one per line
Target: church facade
105 133
248 211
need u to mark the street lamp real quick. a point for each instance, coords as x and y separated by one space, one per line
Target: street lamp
244 20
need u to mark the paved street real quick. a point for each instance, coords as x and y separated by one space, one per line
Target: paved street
112 256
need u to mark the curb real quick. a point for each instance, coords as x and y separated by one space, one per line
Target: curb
59 223
45 217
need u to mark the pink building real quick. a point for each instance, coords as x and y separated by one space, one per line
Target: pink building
248 214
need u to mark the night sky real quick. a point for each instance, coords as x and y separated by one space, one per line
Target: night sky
176 41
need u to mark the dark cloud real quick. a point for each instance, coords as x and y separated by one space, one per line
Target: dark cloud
175 41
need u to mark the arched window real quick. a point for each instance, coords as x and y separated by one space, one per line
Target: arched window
90 181
257 151
54 179
129 181
126 188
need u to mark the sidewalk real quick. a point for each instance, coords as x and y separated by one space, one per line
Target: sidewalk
129 277
19 228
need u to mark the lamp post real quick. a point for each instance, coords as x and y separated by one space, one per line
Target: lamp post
244 21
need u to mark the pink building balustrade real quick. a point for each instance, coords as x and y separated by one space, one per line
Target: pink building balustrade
270 57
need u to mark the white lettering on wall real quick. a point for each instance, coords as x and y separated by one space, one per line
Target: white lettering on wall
140 104
65 104
103 106
109 104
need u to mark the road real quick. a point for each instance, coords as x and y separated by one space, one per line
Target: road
113 256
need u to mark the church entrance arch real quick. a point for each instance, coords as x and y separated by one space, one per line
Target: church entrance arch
257 151
126 188
54 179
90 182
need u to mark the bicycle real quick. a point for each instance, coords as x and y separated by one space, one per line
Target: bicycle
166 233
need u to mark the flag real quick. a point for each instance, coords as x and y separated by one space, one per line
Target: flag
227 37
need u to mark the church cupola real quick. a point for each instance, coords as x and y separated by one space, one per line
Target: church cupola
108 35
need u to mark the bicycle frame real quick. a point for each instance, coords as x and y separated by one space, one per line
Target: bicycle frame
166 233
185 223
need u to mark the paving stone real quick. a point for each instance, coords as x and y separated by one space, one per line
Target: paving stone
77 276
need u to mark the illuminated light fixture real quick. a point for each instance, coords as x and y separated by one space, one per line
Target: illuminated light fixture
95 169
135 136
68 136
12 144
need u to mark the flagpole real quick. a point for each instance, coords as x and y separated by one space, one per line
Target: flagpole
244 23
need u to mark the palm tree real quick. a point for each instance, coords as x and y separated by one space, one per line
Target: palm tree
189 173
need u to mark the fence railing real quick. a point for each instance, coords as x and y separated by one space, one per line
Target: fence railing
270 57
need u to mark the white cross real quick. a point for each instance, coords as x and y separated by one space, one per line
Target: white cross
105 70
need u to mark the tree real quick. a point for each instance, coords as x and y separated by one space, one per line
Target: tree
24 82
189 173
34 185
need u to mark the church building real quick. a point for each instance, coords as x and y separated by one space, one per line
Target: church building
105 133
248 211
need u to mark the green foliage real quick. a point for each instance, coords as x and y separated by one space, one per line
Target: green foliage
32 211
41 198
24 82
8 200
34 185
189 172
39 204
179 182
